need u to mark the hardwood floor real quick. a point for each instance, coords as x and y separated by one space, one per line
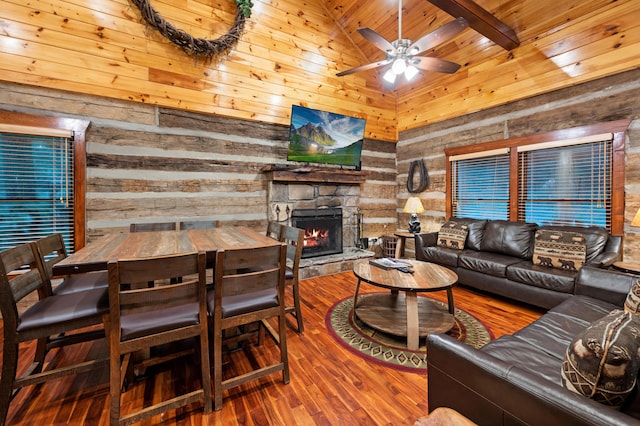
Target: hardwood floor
329 385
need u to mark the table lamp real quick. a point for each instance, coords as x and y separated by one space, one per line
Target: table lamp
414 206
636 219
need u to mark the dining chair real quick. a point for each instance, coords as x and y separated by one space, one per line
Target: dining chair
51 250
54 321
198 224
248 287
294 238
144 318
274 230
153 226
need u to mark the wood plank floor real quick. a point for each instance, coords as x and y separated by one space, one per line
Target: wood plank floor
329 385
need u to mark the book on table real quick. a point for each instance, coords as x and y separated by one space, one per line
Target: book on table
390 263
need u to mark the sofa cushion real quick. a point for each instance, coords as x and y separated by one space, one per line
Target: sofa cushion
509 238
543 277
559 249
476 231
441 255
486 262
602 362
453 234
632 302
595 237
584 308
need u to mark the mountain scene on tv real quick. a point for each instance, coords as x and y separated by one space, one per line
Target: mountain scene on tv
322 137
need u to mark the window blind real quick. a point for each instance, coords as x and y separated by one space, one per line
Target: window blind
36 188
480 185
566 185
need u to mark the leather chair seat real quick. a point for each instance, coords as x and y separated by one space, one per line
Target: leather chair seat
81 282
288 274
542 276
245 303
147 323
57 309
487 262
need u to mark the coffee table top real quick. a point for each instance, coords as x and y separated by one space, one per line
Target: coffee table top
427 276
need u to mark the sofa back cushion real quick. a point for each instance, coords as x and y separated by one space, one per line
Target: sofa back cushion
510 238
595 237
475 228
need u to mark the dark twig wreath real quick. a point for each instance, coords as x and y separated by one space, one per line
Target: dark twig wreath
199 47
424 177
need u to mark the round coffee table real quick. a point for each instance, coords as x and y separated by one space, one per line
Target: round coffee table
402 312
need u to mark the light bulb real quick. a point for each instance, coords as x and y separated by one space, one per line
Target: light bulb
399 66
410 72
389 76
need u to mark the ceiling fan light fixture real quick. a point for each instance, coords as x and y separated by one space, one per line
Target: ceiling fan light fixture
389 76
410 72
399 66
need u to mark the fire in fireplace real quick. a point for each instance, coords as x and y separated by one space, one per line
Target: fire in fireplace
322 230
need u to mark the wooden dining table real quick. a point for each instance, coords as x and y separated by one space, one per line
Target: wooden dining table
136 245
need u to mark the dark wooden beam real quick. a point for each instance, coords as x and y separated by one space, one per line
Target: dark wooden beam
480 20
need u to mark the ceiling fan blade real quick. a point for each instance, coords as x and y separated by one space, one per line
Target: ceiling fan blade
365 67
429 63
438 36
375 38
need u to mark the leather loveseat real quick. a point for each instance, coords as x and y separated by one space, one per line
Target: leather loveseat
516 379
500 257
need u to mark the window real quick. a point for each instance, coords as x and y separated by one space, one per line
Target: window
565 177
480 184
42 179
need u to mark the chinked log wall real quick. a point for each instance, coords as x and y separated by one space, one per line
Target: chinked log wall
148 163
606 99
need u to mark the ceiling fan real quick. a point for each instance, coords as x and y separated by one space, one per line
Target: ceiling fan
402 53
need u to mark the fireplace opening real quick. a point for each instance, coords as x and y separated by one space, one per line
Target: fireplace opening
322 230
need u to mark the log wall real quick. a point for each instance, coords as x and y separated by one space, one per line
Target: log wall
606 99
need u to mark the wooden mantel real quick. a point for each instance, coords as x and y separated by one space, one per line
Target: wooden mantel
313 174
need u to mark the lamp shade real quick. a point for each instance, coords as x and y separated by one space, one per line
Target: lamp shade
636 219
414 205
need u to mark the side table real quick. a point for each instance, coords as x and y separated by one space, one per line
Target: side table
400 246
628 267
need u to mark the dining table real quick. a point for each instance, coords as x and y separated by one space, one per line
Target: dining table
137 245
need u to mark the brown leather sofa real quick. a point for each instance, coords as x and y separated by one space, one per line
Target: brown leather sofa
516 379
497 257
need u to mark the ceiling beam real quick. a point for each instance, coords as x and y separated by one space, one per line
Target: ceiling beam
480 20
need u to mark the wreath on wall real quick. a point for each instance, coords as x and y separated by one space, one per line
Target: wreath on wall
193 46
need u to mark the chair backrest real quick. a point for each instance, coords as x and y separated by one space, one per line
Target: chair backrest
245 271
157 226
20 275
122 301
294 238
51 250
274 230
199 224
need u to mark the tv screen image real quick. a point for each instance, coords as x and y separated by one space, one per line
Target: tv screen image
324 137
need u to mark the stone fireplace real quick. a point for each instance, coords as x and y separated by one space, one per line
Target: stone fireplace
322 230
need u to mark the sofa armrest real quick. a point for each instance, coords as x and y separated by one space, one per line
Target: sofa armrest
604 284
612 252
428 239
488 390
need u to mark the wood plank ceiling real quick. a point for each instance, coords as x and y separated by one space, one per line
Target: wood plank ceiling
562 43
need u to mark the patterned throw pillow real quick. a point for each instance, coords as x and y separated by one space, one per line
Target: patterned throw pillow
453 235
632 303
559 249
602 362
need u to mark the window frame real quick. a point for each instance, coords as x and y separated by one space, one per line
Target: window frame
79 128
617 128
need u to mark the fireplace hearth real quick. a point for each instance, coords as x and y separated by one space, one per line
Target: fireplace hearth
322 230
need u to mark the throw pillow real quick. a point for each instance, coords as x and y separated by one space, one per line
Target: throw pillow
453 235
559 249
632 302
602 362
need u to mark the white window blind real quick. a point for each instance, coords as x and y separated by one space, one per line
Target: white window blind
36 188
566 185
480 185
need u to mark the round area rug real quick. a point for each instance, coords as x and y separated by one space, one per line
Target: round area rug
391 351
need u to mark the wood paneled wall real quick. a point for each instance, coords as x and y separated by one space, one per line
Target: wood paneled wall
606 99
288 54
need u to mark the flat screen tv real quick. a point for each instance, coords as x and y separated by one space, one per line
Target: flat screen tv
325 138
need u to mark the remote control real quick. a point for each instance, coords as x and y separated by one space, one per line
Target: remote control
405 270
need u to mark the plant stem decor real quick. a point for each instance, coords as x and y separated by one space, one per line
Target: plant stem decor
199 47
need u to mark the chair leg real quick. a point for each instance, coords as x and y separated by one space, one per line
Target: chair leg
9 369
205 368
217 366
298 310
40 354
115 388
284 355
